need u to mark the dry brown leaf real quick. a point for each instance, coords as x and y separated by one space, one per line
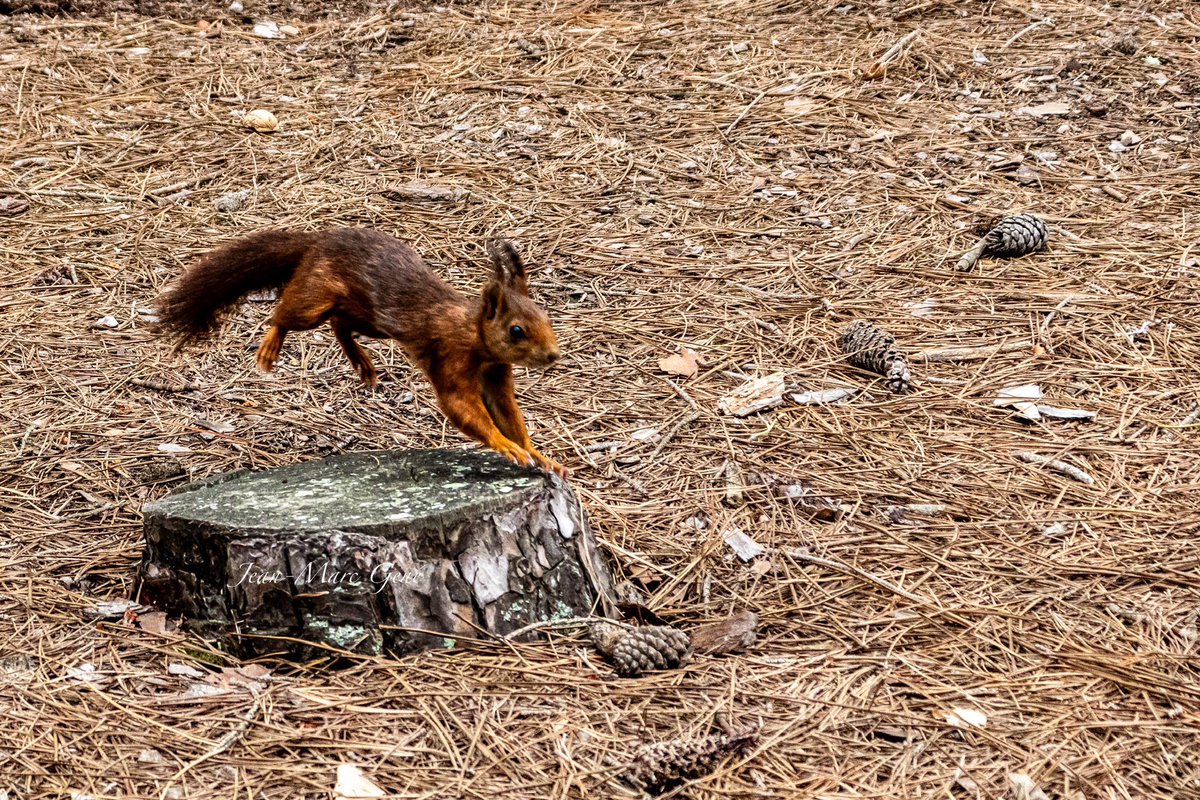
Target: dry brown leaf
684 363
155 622
762 566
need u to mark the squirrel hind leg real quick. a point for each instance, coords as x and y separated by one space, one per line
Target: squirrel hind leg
268 351
354 351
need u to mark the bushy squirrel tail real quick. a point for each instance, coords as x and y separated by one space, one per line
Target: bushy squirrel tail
192 307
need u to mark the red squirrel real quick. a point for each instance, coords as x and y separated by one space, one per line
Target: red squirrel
365 282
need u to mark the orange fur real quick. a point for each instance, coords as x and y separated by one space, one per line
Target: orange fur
369 283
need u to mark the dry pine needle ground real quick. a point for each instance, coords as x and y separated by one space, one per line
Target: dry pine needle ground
715 175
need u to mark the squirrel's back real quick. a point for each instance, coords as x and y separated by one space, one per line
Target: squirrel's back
376 270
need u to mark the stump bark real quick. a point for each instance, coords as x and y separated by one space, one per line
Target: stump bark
372 552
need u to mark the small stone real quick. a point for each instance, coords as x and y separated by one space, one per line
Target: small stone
1151 61
267 30
261 120
1125 44
1026 175
150 757
289 30
1129 139
236 7
1116 146
106 322
529 48
233 201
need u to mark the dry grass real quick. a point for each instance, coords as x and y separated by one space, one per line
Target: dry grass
634 135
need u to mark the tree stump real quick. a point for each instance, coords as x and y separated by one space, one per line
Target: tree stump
372 552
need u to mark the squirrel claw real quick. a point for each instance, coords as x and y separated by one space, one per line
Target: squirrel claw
549 464
516 454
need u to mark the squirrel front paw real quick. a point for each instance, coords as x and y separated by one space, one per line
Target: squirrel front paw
549 464
516 454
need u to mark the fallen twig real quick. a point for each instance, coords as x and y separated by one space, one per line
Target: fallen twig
561 623
850 569
224 743
1075 473
1031 27
880 65
1045 327
163 386
669 435
974 353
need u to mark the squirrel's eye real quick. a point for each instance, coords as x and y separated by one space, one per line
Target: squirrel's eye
517 333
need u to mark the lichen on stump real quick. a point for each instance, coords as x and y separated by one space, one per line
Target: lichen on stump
372 552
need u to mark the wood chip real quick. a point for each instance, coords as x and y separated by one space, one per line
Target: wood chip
731 635
757 395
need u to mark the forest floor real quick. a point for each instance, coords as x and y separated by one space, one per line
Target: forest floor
720 176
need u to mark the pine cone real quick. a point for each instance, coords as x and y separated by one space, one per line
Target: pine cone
1011 237
645 649
1017 236
875 350
662 765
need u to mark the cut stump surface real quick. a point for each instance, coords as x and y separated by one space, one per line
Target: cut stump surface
372 552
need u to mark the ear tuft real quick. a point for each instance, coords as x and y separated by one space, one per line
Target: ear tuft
507 262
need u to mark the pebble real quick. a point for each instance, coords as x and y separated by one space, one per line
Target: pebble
267 30
233 201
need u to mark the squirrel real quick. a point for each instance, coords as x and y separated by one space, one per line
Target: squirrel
366 282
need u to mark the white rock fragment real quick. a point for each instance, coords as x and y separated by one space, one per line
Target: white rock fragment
176 668
966 718
1020 399
821 396
267 30
351 783
746 548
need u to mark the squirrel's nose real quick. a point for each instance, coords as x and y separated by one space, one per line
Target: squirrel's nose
551 357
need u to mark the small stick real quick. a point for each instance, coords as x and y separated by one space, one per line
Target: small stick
881 64
767 326
745 111
108 197
971 257
561 623
633 483
690 418
850 569
974 353
1050 318
1075 473
224 743
163 386
679 391
1031 27
1172 434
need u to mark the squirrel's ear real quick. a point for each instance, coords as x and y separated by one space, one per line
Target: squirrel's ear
494 301
496 253
509 269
